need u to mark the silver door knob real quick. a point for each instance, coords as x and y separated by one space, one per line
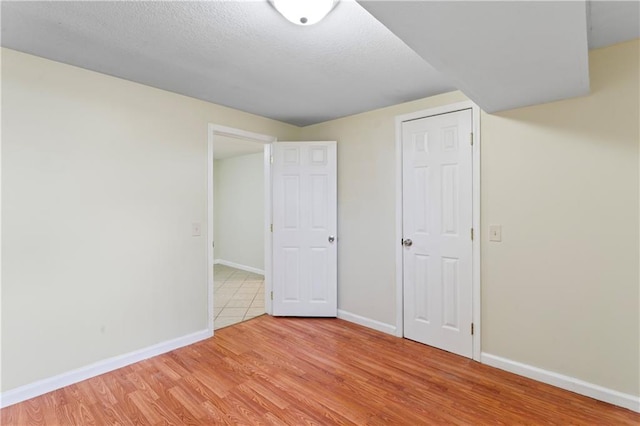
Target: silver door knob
407 242
331 238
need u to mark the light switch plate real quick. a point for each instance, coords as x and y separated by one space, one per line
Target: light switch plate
495 233
196 229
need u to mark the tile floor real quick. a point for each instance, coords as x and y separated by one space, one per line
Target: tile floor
238 295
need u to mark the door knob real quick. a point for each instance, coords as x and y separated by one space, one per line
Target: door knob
407 242
331 238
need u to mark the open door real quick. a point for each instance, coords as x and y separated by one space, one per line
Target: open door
304 229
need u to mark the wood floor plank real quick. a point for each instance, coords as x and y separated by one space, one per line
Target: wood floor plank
294 371
110 414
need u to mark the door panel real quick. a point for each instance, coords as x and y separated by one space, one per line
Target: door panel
437 218
304 217
291 274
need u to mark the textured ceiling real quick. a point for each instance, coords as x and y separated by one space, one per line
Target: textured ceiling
240 54
244 55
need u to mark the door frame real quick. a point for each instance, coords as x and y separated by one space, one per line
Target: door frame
476 303
214 130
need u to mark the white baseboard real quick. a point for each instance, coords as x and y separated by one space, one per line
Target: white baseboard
239 266
565 382
367 322
41 387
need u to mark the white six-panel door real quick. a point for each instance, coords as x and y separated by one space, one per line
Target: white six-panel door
304 229
437 222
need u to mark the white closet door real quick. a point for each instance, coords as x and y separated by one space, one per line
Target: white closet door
437 222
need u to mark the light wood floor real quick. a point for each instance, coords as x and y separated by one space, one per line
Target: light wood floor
311 371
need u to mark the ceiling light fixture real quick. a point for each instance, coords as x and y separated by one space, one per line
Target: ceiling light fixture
304 12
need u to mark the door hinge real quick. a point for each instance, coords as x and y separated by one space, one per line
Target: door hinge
471 138
272 227
472 329
271 159
471 234
272 295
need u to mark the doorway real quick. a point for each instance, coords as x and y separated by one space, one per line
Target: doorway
438 221
239 217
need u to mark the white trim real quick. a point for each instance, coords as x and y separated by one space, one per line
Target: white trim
213 130
41 387
367 322
210 292
231 132
565 382
399 329
268 238
398 239
238 266
477 296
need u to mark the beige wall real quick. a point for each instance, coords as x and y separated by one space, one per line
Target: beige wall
101 180
561 292
239 210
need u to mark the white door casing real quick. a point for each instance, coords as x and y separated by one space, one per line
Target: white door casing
305 229
437 202
215 130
